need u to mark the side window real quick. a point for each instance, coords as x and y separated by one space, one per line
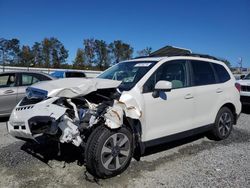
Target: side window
7 80
221 72
203 73
35 80
29 79
41 77
175 72
26 79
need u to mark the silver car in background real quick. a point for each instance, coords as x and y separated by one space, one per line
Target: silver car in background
13 86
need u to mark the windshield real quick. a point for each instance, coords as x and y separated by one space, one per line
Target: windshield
128 72
247 77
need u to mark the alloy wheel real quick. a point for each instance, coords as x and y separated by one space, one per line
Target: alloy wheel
115 151
225 124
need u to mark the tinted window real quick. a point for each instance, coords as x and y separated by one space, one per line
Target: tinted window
221 72
203 73
7 80
174 72
41 77
74 74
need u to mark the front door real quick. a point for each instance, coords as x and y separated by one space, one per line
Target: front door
8 93
172 112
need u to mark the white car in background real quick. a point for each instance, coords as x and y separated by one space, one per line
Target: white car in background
133 105
244 85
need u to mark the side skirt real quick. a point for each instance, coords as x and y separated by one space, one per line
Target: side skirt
174 137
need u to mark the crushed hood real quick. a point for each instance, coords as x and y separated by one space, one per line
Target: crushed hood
74 87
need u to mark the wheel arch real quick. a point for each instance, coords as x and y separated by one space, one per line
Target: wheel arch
233 110
136 128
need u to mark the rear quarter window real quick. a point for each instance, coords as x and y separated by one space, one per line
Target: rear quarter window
221 72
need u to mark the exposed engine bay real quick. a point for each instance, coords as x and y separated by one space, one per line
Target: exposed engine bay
68 114
81 113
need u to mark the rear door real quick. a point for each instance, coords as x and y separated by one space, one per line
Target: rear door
8 92
206 92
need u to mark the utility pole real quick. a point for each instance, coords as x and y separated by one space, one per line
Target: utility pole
3 61
240 63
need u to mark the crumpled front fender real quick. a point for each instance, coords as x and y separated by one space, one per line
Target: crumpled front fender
125 106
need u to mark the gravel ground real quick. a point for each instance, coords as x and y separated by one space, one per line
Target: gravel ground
196 163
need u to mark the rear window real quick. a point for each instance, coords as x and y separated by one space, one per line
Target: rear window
203 73
221 72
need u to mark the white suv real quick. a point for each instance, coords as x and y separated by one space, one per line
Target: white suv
244 86
133 105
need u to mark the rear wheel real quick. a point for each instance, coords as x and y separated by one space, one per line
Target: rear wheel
109 152
223 124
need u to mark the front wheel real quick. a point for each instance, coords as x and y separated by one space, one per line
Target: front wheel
223 124
109 152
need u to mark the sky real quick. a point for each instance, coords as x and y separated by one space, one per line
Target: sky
216 27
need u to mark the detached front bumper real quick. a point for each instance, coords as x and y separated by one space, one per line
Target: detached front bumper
20 124
19 130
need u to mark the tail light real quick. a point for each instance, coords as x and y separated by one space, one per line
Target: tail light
237 85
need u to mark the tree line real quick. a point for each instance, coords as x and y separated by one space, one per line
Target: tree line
51 53
94 54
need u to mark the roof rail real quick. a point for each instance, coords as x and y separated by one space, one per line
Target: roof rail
204 56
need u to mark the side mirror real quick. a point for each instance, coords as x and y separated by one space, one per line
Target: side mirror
161 85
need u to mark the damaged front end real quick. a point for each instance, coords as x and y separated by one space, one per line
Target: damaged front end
69 114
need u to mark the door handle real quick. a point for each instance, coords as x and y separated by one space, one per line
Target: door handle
219 90
9 91
189 96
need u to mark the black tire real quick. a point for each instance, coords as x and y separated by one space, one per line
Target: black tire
104 157
223 125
